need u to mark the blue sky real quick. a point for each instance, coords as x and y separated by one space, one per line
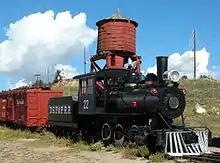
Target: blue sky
164 27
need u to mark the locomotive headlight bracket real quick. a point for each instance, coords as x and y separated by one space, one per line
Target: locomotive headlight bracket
172 75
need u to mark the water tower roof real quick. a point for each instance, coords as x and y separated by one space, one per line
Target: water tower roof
116 16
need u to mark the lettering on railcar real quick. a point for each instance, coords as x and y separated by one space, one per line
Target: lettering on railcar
4 100
20 101
3 114
63 109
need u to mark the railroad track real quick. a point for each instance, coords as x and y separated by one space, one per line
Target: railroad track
210 157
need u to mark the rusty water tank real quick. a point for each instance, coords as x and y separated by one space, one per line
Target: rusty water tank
117 33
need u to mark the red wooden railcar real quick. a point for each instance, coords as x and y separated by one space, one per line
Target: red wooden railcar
28 107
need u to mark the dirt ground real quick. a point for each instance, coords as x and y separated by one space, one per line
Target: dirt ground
31 151
26 151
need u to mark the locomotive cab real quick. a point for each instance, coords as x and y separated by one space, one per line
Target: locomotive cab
94 89
87 93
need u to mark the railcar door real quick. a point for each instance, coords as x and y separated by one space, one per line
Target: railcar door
10 107
3 105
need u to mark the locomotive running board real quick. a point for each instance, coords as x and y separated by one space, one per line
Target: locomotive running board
175 145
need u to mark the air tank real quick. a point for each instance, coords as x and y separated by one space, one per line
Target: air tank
117 34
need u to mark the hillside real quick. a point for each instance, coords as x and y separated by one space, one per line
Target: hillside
205 92
70 87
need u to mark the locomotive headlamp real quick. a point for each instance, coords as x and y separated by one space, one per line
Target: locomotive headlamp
174 76
173 102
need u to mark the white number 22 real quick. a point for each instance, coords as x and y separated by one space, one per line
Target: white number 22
85 104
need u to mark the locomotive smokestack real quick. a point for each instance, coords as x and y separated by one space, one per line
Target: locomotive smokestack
162 66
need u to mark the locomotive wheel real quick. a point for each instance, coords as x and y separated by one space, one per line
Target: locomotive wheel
106 133
133 133
119 135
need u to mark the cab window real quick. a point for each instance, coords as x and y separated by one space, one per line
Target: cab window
90 86
86 86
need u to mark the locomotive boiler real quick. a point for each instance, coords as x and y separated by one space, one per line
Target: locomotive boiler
150 95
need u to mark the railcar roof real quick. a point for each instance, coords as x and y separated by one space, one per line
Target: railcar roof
101 72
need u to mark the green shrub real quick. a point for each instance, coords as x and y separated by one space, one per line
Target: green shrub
157 157
96 146
142 151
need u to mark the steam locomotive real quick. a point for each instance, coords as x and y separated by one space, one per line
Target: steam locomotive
122 105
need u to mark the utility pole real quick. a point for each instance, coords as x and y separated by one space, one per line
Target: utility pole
84 60
37 80
194 49
48 74
37 76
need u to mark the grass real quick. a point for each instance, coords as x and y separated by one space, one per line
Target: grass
48 139
206 93
69 87
44 138
157 157
136 152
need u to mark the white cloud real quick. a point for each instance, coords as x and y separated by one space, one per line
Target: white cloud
20 83
67 71
44 39
184 63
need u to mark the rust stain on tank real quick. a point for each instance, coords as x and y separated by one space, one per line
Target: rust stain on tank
116 34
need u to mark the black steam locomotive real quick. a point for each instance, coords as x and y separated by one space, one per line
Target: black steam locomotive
122 105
